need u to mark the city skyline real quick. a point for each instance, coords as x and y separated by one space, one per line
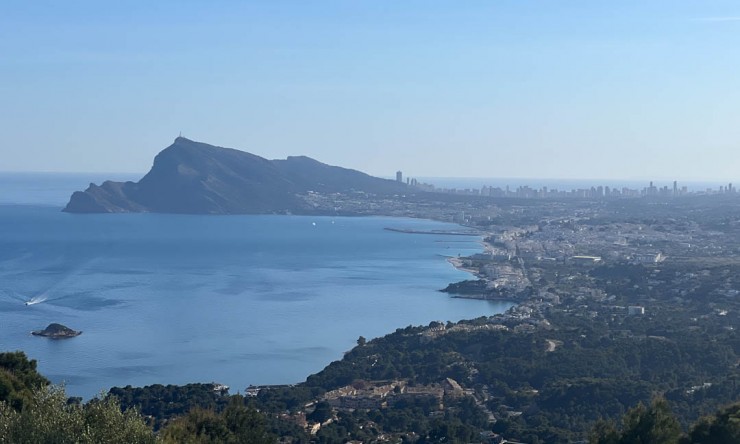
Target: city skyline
549 188
568 90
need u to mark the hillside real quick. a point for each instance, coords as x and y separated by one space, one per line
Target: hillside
196 178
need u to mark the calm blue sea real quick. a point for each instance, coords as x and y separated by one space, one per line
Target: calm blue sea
233 299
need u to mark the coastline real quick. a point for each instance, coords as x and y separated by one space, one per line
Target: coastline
312 356
457 263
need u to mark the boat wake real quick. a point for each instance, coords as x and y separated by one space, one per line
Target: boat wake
53 290
36 300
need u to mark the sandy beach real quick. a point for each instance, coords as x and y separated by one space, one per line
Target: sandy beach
457 262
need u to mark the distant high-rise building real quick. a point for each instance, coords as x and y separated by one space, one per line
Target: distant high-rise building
675 188
399 176
652 190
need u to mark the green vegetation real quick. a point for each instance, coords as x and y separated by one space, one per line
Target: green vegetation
18 379
48 417
235 424
468 287
593 374
656 425
164 402
721 428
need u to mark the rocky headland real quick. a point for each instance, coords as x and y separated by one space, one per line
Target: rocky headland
196 178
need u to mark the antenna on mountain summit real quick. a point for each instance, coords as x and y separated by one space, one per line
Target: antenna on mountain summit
180 134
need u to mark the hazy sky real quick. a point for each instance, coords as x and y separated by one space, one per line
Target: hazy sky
520 88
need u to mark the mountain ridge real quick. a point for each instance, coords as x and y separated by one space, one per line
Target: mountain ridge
192 177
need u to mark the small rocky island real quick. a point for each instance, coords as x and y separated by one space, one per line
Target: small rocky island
57 331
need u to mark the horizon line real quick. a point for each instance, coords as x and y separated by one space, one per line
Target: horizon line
425 177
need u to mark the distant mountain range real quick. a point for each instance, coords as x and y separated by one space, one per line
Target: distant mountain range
197 178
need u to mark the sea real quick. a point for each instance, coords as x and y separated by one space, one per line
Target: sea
237 300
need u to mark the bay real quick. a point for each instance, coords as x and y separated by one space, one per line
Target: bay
240 300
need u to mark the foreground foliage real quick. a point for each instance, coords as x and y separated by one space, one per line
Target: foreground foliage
235 424
657 425
722 428
48 417
654 424
18 379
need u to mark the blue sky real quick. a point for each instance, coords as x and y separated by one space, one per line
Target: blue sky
519 88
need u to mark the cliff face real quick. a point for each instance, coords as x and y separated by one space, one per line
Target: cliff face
197 178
